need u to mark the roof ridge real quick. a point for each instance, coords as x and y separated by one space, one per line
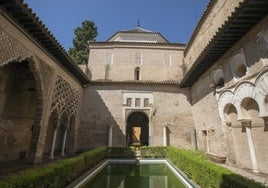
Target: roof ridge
138 29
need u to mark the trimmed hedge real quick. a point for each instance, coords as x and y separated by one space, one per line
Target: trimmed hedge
129 152
120 152
196 165
153 152
57 174
205 173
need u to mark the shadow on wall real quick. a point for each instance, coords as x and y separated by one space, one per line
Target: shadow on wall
250 61
168 132
85 69
97 124
18 100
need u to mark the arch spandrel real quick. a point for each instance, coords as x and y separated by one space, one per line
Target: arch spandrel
11 49
65 98
261 83
225 98
244 90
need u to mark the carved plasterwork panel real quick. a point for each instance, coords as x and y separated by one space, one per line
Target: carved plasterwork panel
257 91
46 73
66 97
11 49
262 44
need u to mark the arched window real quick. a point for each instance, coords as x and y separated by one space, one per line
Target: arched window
238 63
137 73
241 70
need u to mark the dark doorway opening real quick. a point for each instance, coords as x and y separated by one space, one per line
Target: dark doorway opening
137 129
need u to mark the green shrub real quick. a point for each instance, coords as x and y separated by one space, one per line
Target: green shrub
195 164
120 152
205 173
57 174
153 152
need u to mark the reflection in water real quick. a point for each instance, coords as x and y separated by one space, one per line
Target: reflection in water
135 176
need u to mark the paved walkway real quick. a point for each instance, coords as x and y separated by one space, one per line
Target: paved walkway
12 166
258 177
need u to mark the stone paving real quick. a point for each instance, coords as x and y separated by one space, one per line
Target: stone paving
258 177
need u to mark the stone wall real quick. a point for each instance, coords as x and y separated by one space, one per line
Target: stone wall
157 63
28 82
242 137
103 105
212 20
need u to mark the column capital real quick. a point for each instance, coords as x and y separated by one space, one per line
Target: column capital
246 122
165 125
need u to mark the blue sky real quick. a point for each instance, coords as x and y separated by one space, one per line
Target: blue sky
174 19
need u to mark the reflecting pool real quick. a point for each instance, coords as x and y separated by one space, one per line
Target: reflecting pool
135 176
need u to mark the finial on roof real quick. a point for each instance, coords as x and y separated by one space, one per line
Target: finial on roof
138 24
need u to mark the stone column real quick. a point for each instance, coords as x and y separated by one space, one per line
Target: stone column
54 138
64 137
247 124
110 141
164 135
40 127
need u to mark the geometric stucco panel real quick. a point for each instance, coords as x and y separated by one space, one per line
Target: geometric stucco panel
11 49
66 98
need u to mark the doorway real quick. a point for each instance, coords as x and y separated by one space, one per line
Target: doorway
137 129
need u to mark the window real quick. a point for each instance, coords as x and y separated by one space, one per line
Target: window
218 78
108 58
138 58
241 70
238 64
129 101
146 102
167 59
137 102
262 44
137 73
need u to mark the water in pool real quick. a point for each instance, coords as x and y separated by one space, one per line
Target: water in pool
135 176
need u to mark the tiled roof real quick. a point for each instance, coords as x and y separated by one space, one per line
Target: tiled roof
135 44
244 18
137 82
140 31
23 16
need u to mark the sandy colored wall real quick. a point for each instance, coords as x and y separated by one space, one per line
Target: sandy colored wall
170 107
123 64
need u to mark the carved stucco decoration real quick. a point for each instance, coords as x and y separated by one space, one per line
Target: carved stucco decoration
66 98
46 73
11 49
257 91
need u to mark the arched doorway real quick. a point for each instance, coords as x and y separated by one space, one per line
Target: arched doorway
137 129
